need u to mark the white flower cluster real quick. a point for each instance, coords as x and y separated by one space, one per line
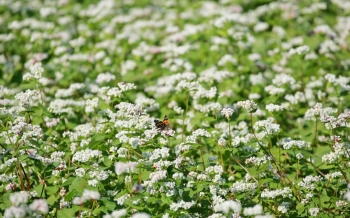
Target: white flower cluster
227 58
148 104
159 153
203 93
283 79
267 126
273 90
296 98
20 209
308 182
157 176
71 91
167 84
285 193
183 147
197 133
299 50
256 210
256 161
128 110
105 77
121 167
36 71
26 99
86 155
116 214
87 195
249 105
331 157
318 111
101 175
91 105
228 206
210 75
51 122
178 110
227 112
222 142
333 175
274 107
217 169
208 107
283 208
185 85
19 198
126 86
59 106
314 211
342 81
238 187
296 143
181 205
241 140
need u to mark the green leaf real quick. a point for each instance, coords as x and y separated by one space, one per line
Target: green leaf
78 185
51 200
110 205
69 195
165 200
51 190
40 190
107 162
66 213
36 143
68 181
300 208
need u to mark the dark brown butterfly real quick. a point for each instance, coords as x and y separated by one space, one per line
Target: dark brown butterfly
162 125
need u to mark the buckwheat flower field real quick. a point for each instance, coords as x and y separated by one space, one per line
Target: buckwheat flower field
174 108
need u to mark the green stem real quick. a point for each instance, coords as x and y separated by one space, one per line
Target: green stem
315 138
202 155
229 132
41 95
183 128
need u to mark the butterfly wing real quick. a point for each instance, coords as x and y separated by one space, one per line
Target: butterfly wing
162 124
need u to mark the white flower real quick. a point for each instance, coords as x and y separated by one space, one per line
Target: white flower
104 77
261 26
15 212
178 110
35 72
181 205
19 198
314 211
80 172
121 167
299 50
228 206
227 112
140 215
183 85
91 104
249 105
256 210
274 107
90 194
267 126
286 193
26 99
39 205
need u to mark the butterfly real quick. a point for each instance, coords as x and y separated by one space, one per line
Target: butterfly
162 125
